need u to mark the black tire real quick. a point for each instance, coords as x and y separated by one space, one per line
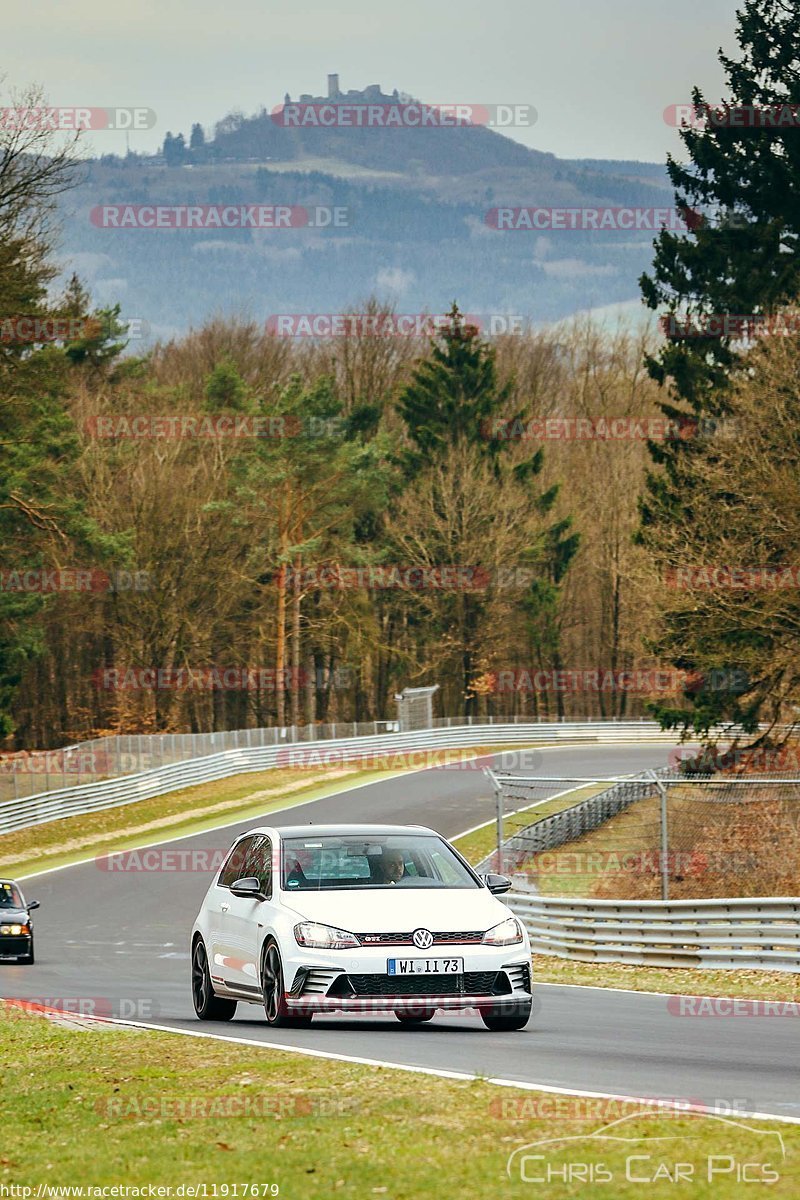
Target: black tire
273 992
414 1016
207 1006
28 958
505 1018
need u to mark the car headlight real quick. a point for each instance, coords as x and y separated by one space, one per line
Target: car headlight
324 937
14 930
507 933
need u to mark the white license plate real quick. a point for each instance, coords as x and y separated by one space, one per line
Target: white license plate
425 966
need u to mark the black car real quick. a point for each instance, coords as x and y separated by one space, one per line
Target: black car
16 926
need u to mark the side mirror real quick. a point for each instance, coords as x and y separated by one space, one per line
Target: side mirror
33 904
497 884
248 889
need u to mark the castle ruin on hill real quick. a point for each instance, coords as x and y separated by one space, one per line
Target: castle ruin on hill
371 94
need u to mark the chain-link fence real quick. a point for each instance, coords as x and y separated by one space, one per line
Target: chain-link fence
654 837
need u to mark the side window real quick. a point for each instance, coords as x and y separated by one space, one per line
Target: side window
444 870
234 867
259 862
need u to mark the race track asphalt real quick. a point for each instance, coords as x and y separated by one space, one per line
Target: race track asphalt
121 940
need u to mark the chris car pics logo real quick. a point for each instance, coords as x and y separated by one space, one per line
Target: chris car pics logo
625 1151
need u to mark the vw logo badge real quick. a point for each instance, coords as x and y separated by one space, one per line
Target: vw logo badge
422 938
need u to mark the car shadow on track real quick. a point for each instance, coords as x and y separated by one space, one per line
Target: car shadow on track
388 1024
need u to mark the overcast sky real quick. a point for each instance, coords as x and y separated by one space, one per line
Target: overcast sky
599 72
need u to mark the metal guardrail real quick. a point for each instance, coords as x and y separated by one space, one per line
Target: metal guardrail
762 932
72 801
98 759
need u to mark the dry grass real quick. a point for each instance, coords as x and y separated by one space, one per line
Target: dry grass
717 847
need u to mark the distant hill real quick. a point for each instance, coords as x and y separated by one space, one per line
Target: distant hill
418 233
440 151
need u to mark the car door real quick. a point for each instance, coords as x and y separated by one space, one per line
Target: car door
240 920
222 949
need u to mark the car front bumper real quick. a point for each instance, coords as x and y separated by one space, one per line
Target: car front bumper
15 945
492 977
366 1004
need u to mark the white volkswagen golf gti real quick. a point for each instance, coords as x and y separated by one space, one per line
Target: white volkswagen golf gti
357 918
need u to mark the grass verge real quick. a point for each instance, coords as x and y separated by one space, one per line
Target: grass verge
115 1107
686 981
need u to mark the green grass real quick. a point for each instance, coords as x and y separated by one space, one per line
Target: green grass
106 1107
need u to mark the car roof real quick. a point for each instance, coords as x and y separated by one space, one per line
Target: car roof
312 830
13 882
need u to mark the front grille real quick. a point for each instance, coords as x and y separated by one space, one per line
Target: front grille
471 983
470 938
14 945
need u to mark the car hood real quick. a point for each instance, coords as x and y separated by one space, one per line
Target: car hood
401 910
14 916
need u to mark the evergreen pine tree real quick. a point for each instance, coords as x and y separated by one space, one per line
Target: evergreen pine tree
741 257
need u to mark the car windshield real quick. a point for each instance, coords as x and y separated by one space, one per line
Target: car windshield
396 860
9 896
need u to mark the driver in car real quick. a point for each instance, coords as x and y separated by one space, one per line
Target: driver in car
389 867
